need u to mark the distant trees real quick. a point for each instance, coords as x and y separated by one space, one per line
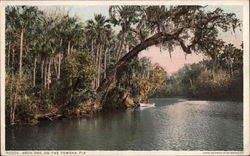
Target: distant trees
231 60
221 78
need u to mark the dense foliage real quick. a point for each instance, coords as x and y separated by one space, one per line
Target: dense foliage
135 82
220 78
58 64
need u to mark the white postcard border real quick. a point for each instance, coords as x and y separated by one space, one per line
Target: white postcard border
244 3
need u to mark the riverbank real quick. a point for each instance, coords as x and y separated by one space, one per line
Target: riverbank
174 124
91 112
119 101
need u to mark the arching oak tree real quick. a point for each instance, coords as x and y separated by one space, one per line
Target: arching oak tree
190 27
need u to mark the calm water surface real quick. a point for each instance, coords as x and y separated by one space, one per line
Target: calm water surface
174 124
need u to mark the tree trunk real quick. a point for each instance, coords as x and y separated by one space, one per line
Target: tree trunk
68 51
153 40
92 47
191 83
105 62
45 74
93 54
11 97
99 66
13 110
21 52
13 58
119 49
55 65
59 66
109 58
34 73
14 107
49 74
42 68
8 55
59 63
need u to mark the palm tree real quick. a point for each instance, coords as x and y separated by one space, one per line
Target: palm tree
126 17
98 32
23 19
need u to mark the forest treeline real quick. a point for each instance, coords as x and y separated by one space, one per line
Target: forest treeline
217 79
61 65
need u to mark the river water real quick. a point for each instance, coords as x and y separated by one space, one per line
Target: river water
173 124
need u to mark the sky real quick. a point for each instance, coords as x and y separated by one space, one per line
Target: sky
160 56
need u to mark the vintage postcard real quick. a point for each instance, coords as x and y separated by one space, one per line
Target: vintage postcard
125 77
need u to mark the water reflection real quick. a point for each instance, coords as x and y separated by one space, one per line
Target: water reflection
174 124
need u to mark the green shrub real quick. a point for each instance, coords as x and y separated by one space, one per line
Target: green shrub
26 111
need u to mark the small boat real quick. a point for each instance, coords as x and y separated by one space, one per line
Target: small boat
147 105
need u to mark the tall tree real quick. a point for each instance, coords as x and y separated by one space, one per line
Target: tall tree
190 27
23 19
99 32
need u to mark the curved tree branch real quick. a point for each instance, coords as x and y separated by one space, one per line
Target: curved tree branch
153 40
